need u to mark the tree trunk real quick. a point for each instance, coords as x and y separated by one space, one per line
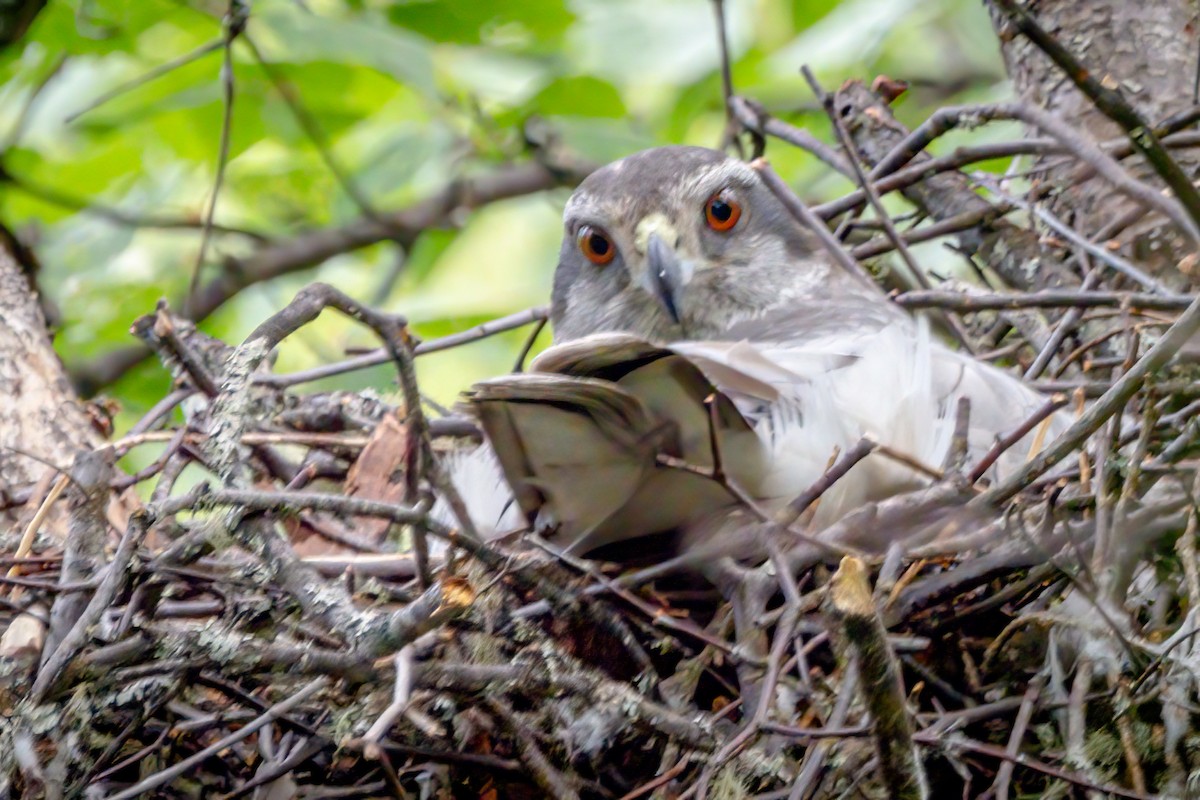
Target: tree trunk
1147 50
41 420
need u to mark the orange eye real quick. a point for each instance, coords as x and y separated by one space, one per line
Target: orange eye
722 212
595 245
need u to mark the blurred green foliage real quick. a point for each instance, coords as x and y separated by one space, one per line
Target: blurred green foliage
408 95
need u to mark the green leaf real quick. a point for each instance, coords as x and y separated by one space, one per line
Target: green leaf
581 96
425 252
484 21
290 35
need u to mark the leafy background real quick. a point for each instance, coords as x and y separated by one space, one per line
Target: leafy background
407 95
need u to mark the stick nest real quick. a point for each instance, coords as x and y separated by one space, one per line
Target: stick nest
301 624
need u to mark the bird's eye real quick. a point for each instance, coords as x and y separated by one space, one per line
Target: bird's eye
595 245
722 212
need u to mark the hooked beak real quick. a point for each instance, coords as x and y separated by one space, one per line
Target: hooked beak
666 275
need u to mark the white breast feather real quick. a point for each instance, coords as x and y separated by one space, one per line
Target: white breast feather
476 475
813 399
899 386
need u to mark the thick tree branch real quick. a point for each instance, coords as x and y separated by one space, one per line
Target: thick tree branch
1113 104
313 247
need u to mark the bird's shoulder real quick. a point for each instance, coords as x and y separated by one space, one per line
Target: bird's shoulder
818 316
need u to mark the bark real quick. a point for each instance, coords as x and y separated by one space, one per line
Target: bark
1014 252
15 18
39 413
1148 51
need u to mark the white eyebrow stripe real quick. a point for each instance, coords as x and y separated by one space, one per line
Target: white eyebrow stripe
727 173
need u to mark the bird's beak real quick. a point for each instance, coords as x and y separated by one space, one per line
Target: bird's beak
665 274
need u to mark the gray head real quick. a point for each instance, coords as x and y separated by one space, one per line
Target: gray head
682 242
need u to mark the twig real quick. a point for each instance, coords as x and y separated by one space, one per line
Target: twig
1121 265
234 23
1003 443
851 604
806 218
755 119
966 745
956 456
536 316
730 132
530 340
74 640
967 220
1129 745
290 502
1111 402
1020 725
962 156
13 138
815 756
117 216
952 322
87 535
1064 326
401 694
146 77
766 700
605 585
180 767
25 545
312 130
950 117
308 249
693 730
787 516
1076 755
551 780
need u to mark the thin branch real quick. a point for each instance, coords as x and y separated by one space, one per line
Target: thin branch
971 154
177 769
1109 404
755 119
803 214
312 129
948 118
117 216
787 516
952 322
1121 265
1003 443
147 77
532 316
729 136
1047 298
75 639
235 23
26 113
1065 325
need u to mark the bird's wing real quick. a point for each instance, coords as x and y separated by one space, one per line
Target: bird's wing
583 455
896 384
585 449
570 447
1000 402
595 355
813 399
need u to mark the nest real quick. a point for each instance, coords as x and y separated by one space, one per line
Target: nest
311 628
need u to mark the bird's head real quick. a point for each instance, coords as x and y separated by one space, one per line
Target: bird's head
680 242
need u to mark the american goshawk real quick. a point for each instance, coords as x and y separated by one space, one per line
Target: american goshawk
698 325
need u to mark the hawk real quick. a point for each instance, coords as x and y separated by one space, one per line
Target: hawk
708 350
